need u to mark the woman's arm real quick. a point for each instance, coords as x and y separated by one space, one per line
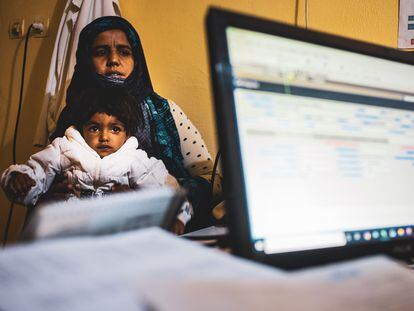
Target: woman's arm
150 172
197 159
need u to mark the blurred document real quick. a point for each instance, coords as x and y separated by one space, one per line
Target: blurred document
107 273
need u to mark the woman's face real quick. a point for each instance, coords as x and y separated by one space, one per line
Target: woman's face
112 54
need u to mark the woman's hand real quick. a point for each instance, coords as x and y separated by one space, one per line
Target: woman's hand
19 185
172 182
178 227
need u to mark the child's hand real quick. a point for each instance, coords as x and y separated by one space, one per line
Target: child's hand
60 190
19 185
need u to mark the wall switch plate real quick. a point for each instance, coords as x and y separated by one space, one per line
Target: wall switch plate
16 28
44 33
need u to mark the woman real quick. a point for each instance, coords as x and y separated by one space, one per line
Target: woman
110 54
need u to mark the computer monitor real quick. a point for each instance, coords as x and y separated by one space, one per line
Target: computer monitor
317 140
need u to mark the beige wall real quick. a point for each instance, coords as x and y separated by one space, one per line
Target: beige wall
11 54
172 33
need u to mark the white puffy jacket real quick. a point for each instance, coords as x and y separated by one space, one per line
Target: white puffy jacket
81 165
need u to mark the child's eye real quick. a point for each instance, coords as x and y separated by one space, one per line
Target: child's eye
93 129
116 129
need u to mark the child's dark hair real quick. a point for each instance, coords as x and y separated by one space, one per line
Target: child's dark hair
112 101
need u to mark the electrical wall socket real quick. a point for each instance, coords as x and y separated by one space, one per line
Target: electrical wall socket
16 28
45 22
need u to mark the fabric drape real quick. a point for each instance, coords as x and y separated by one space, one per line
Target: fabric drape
77 14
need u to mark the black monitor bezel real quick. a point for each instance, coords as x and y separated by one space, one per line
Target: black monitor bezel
221 78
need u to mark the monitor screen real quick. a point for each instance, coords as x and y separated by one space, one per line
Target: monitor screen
325 142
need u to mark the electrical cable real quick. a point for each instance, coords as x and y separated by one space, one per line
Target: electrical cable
306 14
16 128
296 12
213 176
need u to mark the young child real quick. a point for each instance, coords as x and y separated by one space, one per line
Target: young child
96 153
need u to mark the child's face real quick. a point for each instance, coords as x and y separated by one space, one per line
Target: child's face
104 133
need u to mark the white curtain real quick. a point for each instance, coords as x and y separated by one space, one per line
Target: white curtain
77 14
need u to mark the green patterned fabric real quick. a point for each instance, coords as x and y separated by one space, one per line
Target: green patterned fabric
166 135
169 151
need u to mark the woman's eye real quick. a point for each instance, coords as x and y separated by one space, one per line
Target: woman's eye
125 52
99 52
